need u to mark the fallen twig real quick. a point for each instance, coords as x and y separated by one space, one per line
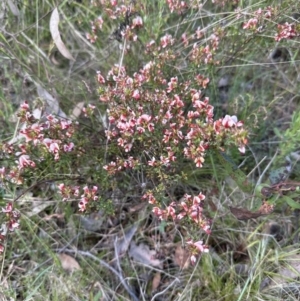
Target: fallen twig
106 265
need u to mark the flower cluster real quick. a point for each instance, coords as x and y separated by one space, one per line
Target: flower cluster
204 54
190 207
136 113
196 248
286 31
259 16
89 110
37 137
257 22
180 6
127 29
89 194
11 224
229 128
96 26
69 192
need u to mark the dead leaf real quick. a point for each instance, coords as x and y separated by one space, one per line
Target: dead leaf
54 21
37 113
92 222
138 207
122 244
54 215
52 103
2 14
13 8
34 205
212 205
156 281
143 254
244 214
181 257
241 269
77 110
68 263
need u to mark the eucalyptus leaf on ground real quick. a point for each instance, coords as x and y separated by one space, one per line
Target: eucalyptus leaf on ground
143 254
54 22
68 263
122 244
52 106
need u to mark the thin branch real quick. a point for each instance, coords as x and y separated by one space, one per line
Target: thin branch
162 292
266 169
106 265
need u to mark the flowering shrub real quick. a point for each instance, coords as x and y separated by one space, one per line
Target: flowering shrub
158 128
158 118
159 121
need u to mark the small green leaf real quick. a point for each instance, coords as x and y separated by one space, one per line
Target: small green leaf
162 226
293 204
236 174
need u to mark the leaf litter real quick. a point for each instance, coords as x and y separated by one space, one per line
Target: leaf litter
68 263
143 254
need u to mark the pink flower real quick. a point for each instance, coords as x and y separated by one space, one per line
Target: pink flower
285 31
137 22
52 145
193 259
32 132
172 84
65 124
2 172
61 187
199 161
127 147
25 106
12 225
158 212
152 162
166 40
202 248
82 204
8 208
89 110
68 147
184 39
100 78
136 94
231 121
24 161
242 149
196 248
251 24
150 197
99 22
